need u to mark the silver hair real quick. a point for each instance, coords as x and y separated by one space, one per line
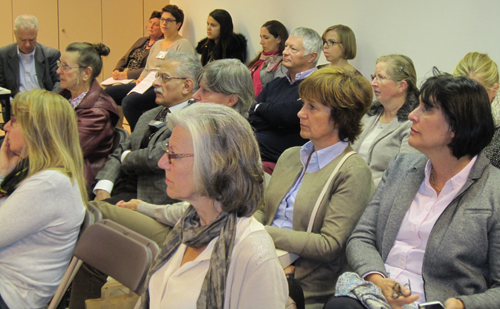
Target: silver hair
230 76
26 22
189 66
311 41
227 166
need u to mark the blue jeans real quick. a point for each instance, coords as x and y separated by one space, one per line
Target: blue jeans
3 305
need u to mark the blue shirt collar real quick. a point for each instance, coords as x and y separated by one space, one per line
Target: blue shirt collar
300 76
320 158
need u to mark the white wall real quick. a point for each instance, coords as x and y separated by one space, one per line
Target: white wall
431 32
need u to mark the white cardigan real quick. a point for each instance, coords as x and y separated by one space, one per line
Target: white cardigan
255 279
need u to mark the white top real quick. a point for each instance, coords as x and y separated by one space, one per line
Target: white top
364 148
39 225
153 63
255 279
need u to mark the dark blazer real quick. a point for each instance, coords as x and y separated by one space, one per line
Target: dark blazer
97 115
45 66
122 63
141 162
322 252
462 254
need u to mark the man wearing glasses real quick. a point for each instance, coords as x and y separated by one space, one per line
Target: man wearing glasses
132 171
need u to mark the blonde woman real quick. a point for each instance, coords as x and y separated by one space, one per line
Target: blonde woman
43 198
386 127
481 68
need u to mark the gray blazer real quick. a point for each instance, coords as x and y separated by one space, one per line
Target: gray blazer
392 140
462 258
45 66
322 252
141 162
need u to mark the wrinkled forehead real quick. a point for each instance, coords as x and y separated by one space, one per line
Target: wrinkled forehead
169 67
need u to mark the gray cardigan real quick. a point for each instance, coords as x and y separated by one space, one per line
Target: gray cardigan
392 140
462 258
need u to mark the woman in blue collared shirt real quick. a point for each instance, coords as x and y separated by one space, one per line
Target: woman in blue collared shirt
334 103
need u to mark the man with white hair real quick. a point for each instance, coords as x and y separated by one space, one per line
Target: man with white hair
274 115
26 65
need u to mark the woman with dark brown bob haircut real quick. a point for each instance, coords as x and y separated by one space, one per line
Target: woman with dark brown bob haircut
334 103
434 221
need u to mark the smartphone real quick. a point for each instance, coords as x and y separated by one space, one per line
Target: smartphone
431 305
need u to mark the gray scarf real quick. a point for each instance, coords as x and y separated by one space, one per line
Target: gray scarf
189 232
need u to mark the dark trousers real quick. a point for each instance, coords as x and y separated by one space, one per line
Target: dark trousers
343 302
135 104
119 92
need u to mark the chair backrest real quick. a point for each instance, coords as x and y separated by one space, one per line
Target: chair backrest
88 220
153 246
95 211
117 253
74 265
118 136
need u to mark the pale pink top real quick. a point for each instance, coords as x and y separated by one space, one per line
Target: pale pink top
406 257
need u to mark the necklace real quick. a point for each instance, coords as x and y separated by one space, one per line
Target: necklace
433 184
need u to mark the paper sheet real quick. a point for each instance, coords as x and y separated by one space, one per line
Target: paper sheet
145 83
110 81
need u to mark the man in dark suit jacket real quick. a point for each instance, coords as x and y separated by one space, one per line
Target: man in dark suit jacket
41 67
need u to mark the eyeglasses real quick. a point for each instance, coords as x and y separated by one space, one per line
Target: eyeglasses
330 43
66 67
167 20
171 156
165 78
379 78
396 289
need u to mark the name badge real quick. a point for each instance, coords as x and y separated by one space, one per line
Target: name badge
161 55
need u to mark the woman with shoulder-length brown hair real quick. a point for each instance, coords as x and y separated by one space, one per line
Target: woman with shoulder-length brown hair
43 198
334 103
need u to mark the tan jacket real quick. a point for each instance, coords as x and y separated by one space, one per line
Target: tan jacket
322 252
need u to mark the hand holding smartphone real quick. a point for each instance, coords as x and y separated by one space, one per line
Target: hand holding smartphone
431 305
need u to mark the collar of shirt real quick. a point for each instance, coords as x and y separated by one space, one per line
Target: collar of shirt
76 101
300 76
25 56
320 158
178 107
456 182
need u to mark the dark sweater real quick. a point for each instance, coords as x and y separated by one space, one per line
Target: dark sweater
234 47
275 121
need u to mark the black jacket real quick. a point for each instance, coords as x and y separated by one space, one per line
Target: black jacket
234 47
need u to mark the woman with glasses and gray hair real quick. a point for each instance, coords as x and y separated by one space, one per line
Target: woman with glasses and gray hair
386 127
217 252
96 111
227 82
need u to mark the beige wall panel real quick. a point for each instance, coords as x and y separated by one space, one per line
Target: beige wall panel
122 24
46 13
6 22
152 5
79 22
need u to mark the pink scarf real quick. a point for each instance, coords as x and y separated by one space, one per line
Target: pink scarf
271 60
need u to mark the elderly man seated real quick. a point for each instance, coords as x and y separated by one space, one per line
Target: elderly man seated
274 116
226 82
